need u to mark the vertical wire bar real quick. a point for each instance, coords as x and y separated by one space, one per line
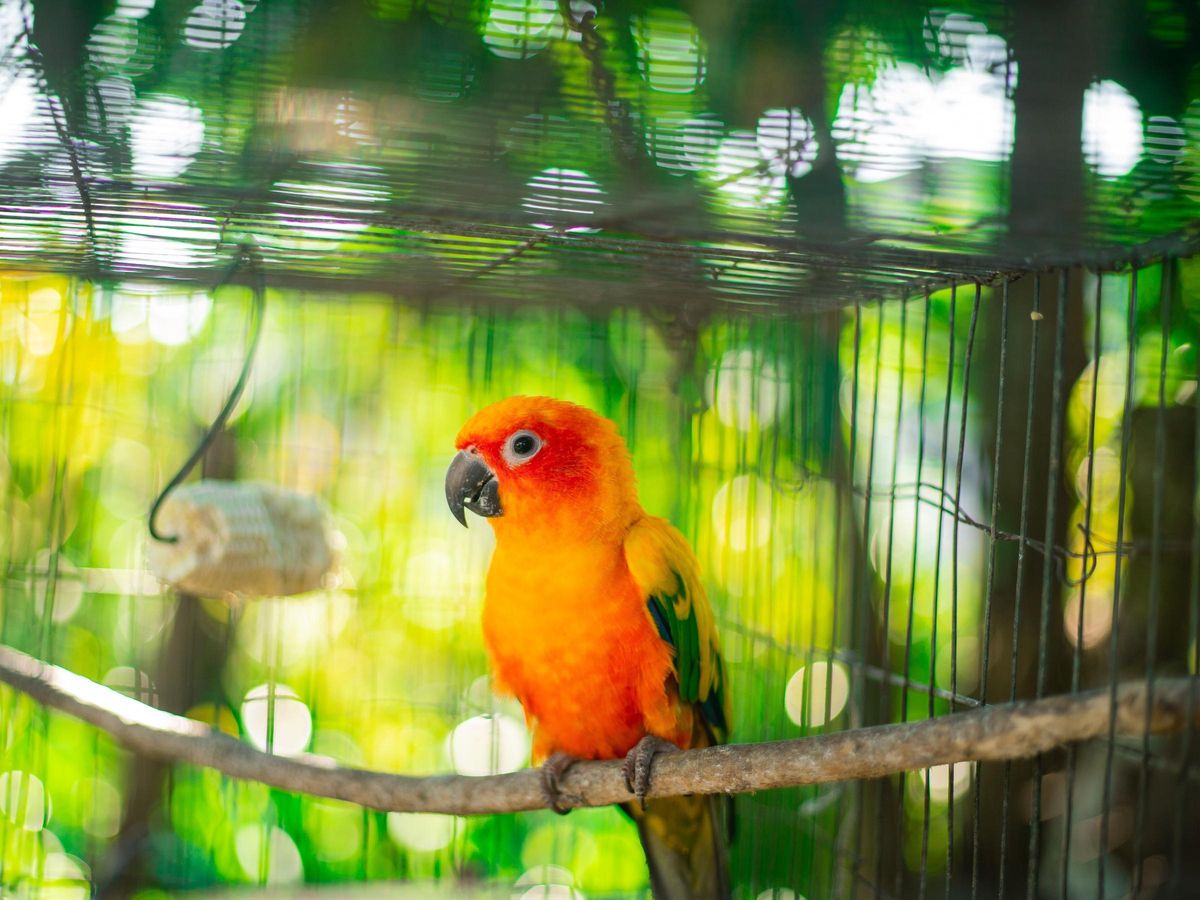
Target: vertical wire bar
1077 652
1022 547
811 353
801 441
1193 648
760 338
864 567
937 570
958 472
912 588
838 530
990 577
1048 569
1115 633
856 614
1156 539
837 874
797 429
885 688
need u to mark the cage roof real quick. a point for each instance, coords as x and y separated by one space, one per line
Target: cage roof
673 157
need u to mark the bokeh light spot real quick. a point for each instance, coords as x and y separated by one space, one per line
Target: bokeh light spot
940 779
1166 140
23 800
670 50
177 318
742 512
423 832
787 142
215 24
65 877
132 683
1112 129
519 29
268 854
819 690
18 104
488 745
742 176
563 196
98 805
747 390
133 9
167 133
66 596
1096 607
283 727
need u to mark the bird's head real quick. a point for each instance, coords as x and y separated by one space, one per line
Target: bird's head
539 465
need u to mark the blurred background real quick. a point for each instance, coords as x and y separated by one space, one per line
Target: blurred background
894 304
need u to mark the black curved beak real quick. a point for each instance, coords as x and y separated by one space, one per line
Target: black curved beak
470 484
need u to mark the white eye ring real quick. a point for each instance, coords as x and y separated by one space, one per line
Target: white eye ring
521 447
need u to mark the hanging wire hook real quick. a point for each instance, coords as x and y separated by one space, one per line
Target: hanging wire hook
1091 559
246 253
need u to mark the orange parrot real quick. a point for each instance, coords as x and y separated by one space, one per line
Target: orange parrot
596 620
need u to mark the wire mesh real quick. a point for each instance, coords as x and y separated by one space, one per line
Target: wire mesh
902 509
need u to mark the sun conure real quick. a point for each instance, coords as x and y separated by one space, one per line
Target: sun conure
596 620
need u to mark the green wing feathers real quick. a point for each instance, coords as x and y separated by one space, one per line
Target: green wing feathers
665 568
684 837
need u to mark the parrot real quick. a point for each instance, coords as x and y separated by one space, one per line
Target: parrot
595 619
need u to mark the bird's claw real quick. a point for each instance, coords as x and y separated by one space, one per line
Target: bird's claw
551 772
638 763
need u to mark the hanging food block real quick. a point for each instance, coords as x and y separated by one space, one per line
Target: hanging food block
246 539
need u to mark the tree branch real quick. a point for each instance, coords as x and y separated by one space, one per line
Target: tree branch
1007 731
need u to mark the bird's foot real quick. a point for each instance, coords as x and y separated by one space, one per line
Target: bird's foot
639 761
551 772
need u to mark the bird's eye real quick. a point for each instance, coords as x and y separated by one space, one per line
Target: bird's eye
521 447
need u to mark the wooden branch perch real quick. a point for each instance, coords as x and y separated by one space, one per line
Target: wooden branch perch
1006 731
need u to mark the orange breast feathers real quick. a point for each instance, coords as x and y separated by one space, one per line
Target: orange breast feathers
570 637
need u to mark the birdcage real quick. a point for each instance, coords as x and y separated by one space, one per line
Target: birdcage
895 307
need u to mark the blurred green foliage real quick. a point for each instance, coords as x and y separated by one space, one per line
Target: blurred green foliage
805 456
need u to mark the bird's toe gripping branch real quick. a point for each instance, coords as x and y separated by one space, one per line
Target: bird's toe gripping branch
640 760
551 772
